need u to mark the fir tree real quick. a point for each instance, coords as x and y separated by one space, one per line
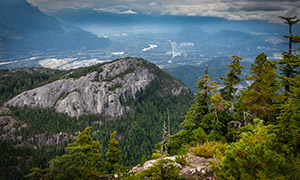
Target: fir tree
113 155
260 97
82 161
288 128
290 61
232 79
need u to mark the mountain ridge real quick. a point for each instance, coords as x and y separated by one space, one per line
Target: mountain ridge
100 91
26 30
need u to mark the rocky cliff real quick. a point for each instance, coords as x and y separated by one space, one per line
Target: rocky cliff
98 91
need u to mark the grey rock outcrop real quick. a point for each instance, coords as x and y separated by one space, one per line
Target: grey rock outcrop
94 93
196 167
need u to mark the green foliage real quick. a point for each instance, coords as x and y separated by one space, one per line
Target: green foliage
113 155
252 154
208 149
83 71
162 169
260 98
232 79
14 82
48 121
82 161
290 63
186 137
182 160
115 86
139 130
16 161
288 127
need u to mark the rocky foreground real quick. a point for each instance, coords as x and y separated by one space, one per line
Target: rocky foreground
195 168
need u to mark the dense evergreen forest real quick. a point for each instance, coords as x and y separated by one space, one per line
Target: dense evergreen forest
253 133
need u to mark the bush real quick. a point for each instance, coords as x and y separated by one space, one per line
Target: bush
181 159
162 169
208 149
252 157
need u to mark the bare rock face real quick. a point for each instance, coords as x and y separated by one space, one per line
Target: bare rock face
95 93
147 164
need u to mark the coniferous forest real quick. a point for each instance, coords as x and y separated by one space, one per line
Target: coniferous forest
252 133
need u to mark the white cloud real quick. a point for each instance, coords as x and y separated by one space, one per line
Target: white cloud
128 12
230 9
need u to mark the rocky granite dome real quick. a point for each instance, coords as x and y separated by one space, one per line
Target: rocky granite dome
98 91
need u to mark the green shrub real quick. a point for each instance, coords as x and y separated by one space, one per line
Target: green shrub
252 157
162 169
208 149
181 159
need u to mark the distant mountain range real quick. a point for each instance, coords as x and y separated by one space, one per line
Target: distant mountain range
210 37
189 74
208 24
28 36
24 30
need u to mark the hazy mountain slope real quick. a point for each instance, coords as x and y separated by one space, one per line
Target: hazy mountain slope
191 34
25 29
189 74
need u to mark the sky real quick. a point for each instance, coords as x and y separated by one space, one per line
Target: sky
230 9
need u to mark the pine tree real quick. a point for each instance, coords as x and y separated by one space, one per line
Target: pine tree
260 97
82 161
288 128
113 155
290 61
203 104
232 79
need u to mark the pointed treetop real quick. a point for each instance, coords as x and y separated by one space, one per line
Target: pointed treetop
290 20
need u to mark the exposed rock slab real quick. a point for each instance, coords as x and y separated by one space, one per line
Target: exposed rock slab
94 93
196 168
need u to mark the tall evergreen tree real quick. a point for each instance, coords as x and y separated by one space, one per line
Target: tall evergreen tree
290 61
259 98
113 155
232 78
203 104
82 161
288 128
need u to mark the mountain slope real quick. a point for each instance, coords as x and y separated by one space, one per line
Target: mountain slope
142 96
189 74
98 92
23 29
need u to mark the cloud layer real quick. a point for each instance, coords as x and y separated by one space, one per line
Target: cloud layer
229 9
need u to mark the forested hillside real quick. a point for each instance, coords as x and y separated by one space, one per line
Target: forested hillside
137 130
